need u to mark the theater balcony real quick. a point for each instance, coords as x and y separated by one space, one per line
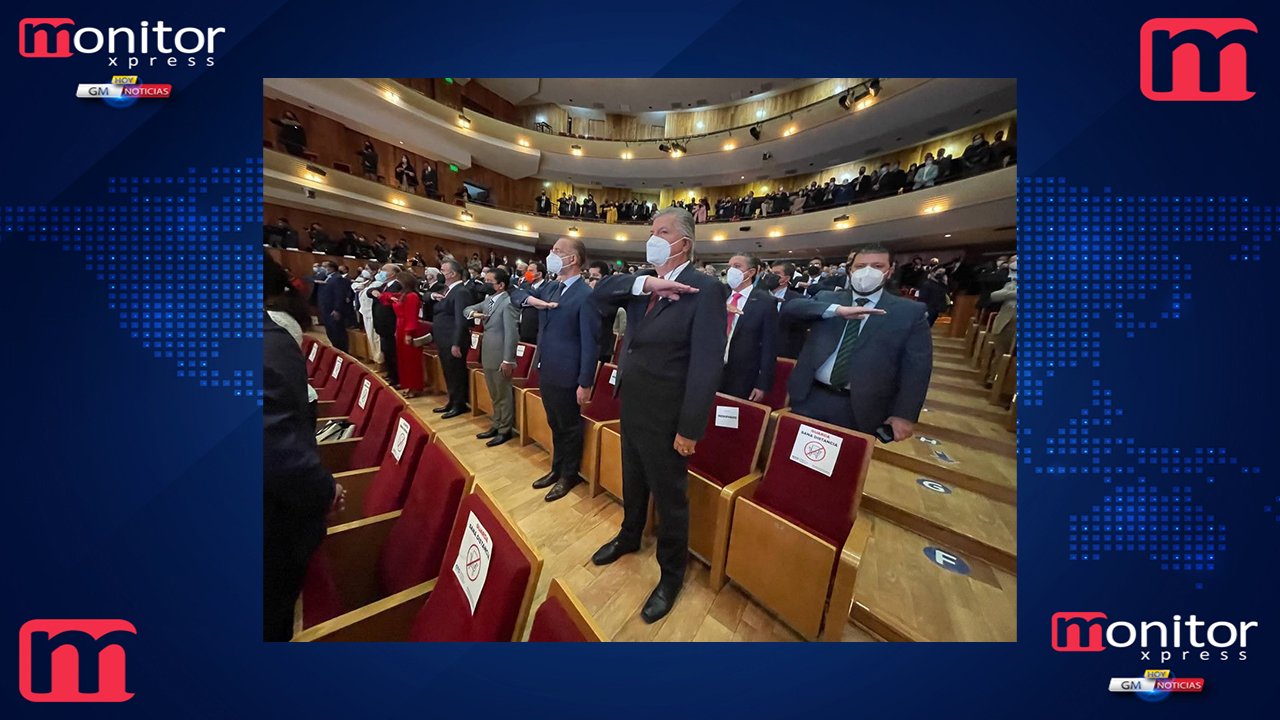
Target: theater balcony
974 209
823 134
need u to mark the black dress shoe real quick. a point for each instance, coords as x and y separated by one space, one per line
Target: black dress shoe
611 551
442 409
456 412
660 601
545 481
562 488
487 434
498 439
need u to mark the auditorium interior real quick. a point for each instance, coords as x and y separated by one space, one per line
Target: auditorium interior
907 541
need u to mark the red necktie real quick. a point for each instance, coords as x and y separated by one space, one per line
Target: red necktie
734 302
653 300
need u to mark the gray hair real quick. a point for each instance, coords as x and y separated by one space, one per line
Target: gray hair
454 264
684 220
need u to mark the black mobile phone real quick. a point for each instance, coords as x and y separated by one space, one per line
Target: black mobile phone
885 433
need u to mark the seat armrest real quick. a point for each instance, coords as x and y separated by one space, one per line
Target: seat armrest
356 483
387 620
335 455
352 551
855 546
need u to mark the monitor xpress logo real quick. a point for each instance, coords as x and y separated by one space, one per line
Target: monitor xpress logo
1085 632
75 660
143 46
1197 59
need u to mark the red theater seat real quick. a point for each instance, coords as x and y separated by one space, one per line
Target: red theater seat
777 397
379 490
723 463
793 544
438 610
342 366
345 398
366 560
561 618
366 448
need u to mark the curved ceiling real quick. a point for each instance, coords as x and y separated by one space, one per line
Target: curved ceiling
637 95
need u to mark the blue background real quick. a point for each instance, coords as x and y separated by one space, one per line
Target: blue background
133 479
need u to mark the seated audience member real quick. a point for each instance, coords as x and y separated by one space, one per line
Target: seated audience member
943 161
292 136
368 161
1003 152
975 155
297 492
406 176
320 241
862 385
926 174
751 351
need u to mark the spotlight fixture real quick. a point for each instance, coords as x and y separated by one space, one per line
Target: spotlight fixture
755 132
789 131
464 121
860 92
317 170
576 150
398 201
676 153
841 218
620 237
664 148
846 101
522 227
573 232
678 147
627 155
466 216
873 87
523 142
718 237
729 146
775 233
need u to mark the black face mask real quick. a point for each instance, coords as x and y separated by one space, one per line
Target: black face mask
814 271
489 289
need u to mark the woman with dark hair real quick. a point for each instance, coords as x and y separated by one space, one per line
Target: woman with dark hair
297 491
406 175
406 303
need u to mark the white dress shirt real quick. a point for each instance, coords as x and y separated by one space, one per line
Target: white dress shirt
823 375
734 317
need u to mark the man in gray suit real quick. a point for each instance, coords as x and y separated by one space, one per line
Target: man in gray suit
498 351
1005 326
869 354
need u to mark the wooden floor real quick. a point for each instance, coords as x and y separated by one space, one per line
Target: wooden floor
568 531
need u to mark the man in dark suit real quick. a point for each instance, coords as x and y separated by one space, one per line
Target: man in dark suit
449 328
335 304
752 330
529 314
869 353
568 348
543 204
384 322
790 335
670 366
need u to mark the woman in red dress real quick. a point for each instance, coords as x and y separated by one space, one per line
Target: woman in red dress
409 357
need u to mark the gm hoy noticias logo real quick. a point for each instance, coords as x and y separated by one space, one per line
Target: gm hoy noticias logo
147 45
75 660
1197 59
1189 639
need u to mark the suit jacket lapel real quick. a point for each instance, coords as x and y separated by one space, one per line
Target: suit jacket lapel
683 277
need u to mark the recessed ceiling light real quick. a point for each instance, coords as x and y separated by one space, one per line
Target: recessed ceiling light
947 235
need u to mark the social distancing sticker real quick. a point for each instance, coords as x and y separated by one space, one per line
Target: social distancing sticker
519 351
613 377
364 393
726 416
314 349
475 341
816 449
472 565
337 366
402 436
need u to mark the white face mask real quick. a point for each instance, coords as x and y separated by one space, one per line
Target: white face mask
554 263
734 277
658 251
865 280
1013 266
